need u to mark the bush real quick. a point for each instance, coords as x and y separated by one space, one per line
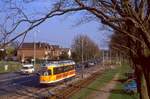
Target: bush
12 66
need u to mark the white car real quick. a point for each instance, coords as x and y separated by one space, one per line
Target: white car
27 69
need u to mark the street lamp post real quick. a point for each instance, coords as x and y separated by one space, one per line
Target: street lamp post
34 52
103 58
110 56
82 59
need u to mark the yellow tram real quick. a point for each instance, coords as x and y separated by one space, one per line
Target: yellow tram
57 71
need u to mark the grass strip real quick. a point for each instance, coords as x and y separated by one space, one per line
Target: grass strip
12 66
118 92
96 84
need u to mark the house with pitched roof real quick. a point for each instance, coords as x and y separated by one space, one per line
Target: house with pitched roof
41 51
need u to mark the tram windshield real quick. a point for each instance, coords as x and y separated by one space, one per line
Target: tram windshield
46 72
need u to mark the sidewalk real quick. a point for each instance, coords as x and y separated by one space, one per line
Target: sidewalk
104 92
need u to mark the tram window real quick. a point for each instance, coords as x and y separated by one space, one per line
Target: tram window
58 70
71 67
49 72
66 68
46 73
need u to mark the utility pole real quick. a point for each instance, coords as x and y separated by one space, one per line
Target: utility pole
120 57
110 56
107 55
103 57
117 57
82 58
34 52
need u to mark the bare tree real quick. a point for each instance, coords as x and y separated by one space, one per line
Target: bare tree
128 17
83 45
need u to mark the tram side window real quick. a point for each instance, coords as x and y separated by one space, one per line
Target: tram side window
71 67
58 70
67 68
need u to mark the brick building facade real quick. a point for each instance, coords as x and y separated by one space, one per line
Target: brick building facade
42 51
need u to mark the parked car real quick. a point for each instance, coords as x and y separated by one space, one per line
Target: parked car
91 63
130 86
27 69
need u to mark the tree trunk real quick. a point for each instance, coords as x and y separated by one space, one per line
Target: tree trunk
138 79
146 73
144 88
142 82
147 79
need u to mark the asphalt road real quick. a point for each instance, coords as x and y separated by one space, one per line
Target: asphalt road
15 84
18 86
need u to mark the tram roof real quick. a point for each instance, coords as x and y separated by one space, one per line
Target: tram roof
60 63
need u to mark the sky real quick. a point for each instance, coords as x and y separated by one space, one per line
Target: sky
62 30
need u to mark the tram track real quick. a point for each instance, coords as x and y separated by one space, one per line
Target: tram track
43 93
75 87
